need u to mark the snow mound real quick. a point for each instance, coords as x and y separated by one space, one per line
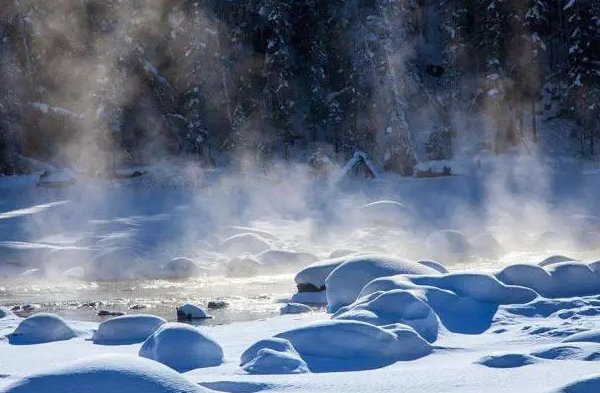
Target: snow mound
354 340
109 373
243 267
345 282
459 314
295 308
41 328
250 243
486 245
127 329
555 259
435 266
312 278
481 287
590 336
117 263
179 268
394 307
448 243
182 347
568 352
390 212
509 360
187 312
585 385
268 361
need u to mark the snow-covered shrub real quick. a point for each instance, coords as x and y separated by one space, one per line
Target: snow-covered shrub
182 347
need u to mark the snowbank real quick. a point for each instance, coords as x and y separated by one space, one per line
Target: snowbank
393 307
362 343
182 347
272 356
295 308
345 282
179 268
110 373
188 312
127 329
41 328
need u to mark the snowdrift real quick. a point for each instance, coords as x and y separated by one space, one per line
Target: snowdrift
182 347
111 373
127 329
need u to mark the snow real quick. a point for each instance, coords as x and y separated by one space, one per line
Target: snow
127 329
274 344
342 345
435 266
508 360
316 273
112 373
592 336
555 259
585 385
182 347
345 282
250 243
391 212
268 361
295 308
191 311
41 328
181 267
448 244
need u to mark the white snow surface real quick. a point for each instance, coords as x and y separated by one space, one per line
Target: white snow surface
182 347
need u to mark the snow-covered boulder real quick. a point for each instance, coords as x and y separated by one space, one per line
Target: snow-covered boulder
356 341
268 361
486 245
394 307
180 268
295 308
389 212
108 373
448 243
312 277
346 281
182 347
127 329
573 279
275 344
507 360
590 336
117 263
555 259
590 384
187 312
243 267
42 328
250 243
530 276
435 266
481 287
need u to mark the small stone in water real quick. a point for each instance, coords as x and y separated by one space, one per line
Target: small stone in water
106 313
137 307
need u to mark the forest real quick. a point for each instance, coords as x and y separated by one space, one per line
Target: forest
97 84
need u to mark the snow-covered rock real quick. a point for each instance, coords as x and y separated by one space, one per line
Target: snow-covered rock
555 259
250 243
189 311
268 361
346 281
393 307
448 243
127 329
182 347
278 261
180 268
295 308
42 328
275 344
486 245
507 360
243 267
590 336
354 340
435 266
108 373
312 277
590 384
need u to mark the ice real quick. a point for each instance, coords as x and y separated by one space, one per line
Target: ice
356 344
345 282
42 328
127 329
393 307
182 347
110 373
191 311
